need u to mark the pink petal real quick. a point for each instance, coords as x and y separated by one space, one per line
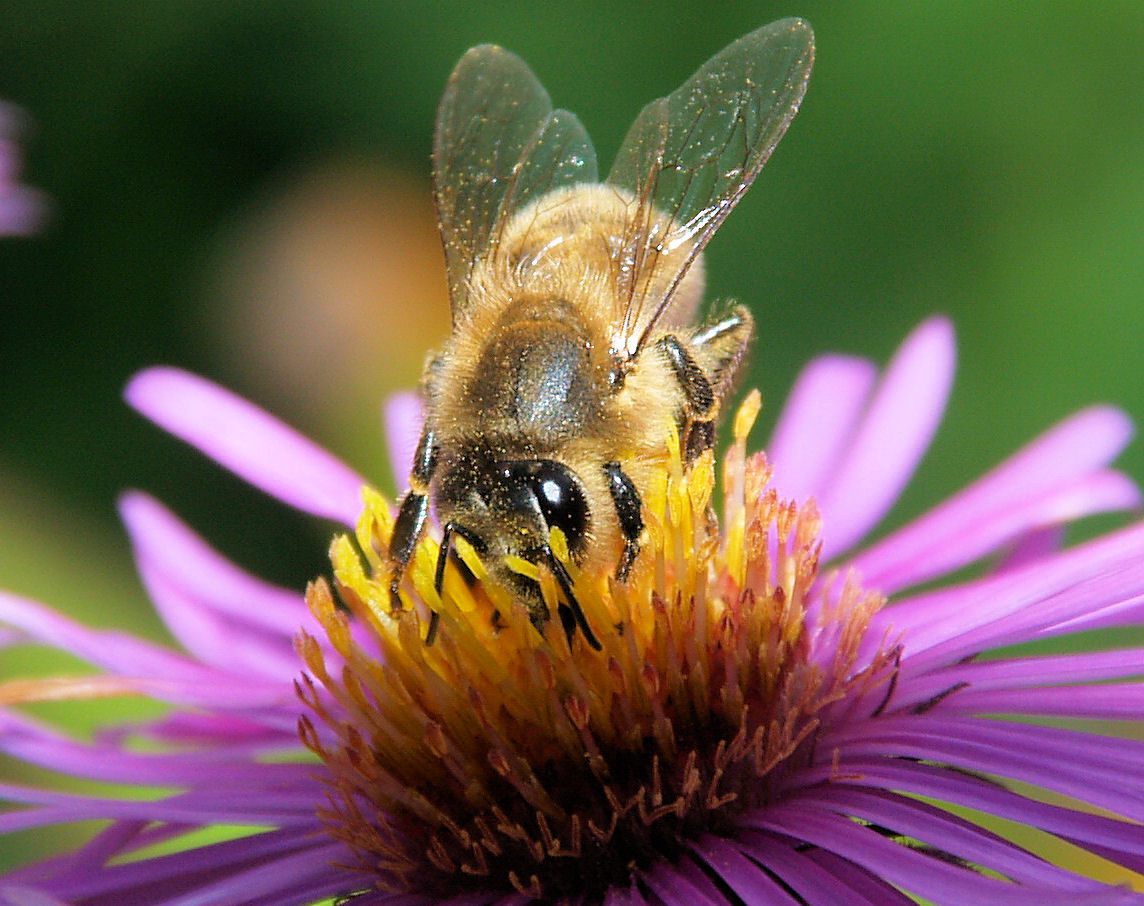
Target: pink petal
950 545
817 421
146 669
1031 546
248 441
219 613
1079 584
227 767
404 418
893 434
117 652
1123 701
1053 480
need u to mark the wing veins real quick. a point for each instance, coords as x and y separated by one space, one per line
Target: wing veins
746 95
498 145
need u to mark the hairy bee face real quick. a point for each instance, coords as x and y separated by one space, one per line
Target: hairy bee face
574 355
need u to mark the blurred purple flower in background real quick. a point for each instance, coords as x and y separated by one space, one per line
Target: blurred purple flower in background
22 209
758 728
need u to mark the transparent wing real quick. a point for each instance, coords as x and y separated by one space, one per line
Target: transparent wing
689 157
498 144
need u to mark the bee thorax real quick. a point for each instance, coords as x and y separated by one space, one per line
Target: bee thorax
537 380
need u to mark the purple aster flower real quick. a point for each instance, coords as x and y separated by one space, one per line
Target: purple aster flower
22 209
777 715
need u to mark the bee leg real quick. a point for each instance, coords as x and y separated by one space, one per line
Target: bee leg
698 436
627 501
407 531
565 582
410 522
718 349
453 528
447 533
692 379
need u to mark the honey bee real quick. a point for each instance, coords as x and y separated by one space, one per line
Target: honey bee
573 355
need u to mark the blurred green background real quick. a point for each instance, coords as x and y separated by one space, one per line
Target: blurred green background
231 182
242 189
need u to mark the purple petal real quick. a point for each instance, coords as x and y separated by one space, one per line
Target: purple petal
145 669
23 211
225 616
951 834
894 432
748 880
248 441
231 767
1085 830
624 896
866 884
190 809
107 844
816 423
1060 593
297 879
404 418
217 728
386 898
808 879
1124 701
219 613
617 897
1031 546
479 898
935 880
1055 479
1103 771
118 652
674 886
280 867
1018 674
19 895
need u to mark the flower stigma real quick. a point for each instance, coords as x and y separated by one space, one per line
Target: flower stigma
506 755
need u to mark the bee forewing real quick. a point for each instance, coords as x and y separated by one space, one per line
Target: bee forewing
689 157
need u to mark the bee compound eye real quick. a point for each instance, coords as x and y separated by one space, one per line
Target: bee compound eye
561 500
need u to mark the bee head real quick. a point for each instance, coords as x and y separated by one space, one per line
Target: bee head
539 495
509 508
